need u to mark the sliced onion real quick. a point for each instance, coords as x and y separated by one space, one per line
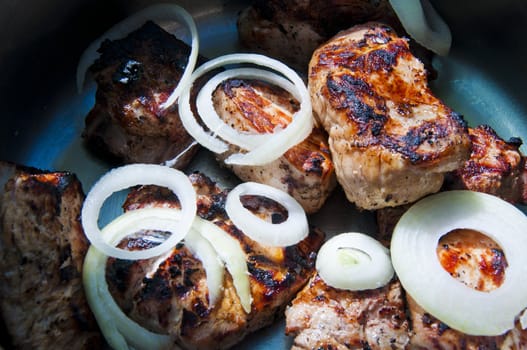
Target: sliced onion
141 174
286 233
422 22
231 252
354 261
202 249
261 151
156 13
413 251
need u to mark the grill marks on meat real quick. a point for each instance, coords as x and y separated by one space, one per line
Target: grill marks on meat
42 248
305 171
391 139
134 76
169 294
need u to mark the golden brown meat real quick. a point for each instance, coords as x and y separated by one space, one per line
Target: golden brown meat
306 170
391 139
42 248
169 295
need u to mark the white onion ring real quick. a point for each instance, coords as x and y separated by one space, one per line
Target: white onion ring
156 13
282 140
286 233
413 250
422 22
141 174
354 261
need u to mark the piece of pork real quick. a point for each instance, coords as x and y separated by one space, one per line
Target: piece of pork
134 76
170 296
391 139
305 171
42 248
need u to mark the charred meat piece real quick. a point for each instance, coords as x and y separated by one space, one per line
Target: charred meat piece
42 248
169 294
134 76
391 139
306 170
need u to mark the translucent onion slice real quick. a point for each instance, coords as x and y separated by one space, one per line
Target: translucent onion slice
413 251
231 252
118 329
141 174
286 233
424 24
158 13
354 261
202 249
260 152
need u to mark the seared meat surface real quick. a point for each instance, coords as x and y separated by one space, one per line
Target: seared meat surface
391 139
42 248
134 76
306 170
169 295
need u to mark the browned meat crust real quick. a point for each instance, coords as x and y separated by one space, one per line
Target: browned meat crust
42 248
169 295
134 76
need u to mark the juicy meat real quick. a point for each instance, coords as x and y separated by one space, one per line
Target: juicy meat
169 294
391 139
306 170
42 248
323 317
134 76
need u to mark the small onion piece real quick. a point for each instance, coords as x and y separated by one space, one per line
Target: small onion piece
424 24
354 261
157 13
231 252
141 174
262 152
286 233
413 251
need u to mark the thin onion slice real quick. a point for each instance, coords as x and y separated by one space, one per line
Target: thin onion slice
422 22
156 13
231 252
286 233
118 329
263 152
141 174
354 261
413 251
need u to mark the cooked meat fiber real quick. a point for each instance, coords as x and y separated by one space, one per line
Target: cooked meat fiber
134 76
42 248
306 170
391 139
169 295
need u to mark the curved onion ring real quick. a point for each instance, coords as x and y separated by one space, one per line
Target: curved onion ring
354 261
263 153
118 329
156 13
424 24
286 233
140 174
413 250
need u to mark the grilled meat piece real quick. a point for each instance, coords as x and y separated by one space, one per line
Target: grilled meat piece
306 170
42 248
323 317
134 76
391 139
169 294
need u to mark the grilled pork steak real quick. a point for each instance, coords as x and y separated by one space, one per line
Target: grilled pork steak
306 170
391 139
134 76
42 248
169 295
